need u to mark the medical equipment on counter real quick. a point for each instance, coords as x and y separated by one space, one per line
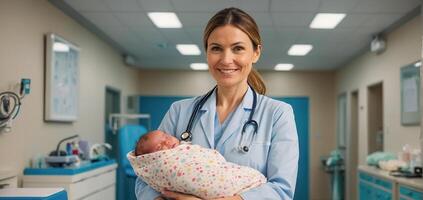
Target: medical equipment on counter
187 135
59 158
96 153
115 117
10 104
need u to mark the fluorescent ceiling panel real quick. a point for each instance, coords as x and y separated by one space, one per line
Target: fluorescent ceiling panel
299 49
327 20
284 67
188 49
165 19
199 66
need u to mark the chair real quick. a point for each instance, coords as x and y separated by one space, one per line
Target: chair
128 135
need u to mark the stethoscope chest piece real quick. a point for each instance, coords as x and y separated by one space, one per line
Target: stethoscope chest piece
186 136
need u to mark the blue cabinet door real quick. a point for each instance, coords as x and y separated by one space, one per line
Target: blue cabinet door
365 191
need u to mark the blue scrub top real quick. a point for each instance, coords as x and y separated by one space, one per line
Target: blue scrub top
274 151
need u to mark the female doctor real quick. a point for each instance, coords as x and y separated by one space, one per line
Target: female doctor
235 117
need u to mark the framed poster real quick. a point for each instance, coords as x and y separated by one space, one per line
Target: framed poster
410 94
61 80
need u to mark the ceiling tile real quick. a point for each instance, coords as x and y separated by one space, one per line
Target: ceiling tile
176 36
378 22
134 20
337 6
294 5
387 6
87 5
123 5
198 19
292 19
263 19
254 5
202 5
102 19
196 34
156 5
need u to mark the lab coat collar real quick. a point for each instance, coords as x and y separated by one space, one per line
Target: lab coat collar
247 102
208 112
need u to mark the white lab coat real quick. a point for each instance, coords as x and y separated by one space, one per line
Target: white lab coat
274 151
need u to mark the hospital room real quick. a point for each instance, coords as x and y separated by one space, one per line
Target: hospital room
202 99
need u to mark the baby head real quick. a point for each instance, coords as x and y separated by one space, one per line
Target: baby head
155 141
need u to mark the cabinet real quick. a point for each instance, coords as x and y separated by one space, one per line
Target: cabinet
409 193
375 184
371 187
91 182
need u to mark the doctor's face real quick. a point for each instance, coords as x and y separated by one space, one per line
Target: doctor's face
230 56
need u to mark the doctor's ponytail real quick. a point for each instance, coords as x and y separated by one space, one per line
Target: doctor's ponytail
240 19
256 81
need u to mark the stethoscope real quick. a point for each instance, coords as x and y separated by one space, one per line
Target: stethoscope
187 135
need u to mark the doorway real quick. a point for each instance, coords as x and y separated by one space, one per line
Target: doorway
352 149
375 118
300 105
112 106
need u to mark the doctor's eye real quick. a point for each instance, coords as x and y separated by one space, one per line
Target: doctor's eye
238 48
215 48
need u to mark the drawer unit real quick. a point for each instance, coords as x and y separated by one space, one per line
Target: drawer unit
408 193
374 188
376 184
98 182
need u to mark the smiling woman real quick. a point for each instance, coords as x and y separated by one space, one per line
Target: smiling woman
219 120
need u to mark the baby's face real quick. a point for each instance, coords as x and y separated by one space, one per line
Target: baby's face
158 140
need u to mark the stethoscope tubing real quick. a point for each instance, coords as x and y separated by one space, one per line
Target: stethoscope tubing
187 135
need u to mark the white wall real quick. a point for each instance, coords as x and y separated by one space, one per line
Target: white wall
403 47
318 86
22 28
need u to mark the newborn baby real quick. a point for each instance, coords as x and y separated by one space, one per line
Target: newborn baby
166 164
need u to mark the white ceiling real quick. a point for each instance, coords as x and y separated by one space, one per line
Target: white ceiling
125 25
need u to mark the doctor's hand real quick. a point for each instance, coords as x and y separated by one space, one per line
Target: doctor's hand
179 196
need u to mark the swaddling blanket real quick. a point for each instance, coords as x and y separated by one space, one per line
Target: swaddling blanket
195 170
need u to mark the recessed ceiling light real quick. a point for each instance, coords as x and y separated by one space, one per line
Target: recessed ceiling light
418 64
188 49
299 49
199 66
327 20
284 67
165 19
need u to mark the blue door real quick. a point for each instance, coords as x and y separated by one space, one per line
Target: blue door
157 107
301 112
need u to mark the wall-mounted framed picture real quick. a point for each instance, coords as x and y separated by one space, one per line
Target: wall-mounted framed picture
61 80
410 94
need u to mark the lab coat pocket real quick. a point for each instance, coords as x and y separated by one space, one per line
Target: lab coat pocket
257 156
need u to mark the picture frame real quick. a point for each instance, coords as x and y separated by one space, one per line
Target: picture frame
410 94
61 79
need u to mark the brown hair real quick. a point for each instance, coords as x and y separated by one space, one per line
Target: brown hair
240 19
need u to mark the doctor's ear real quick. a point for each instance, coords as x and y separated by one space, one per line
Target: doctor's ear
257 53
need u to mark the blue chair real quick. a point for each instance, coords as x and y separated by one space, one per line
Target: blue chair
127 137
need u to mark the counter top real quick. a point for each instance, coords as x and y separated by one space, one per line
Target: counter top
413 182
4 174
68 171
